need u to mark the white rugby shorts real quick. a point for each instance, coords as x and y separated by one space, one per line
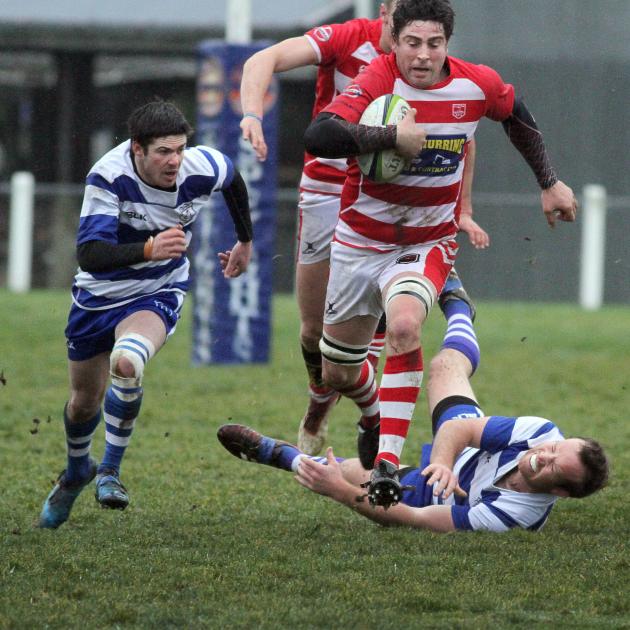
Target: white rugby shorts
318 214
358 276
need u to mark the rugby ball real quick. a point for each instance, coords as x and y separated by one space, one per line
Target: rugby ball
381 166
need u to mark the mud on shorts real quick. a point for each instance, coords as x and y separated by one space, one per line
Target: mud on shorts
358 276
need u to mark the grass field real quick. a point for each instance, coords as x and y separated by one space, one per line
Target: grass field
211 542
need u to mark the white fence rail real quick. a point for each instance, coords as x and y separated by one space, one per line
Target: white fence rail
594 206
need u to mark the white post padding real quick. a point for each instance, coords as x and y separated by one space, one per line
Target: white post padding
364 9
238 25
21 232
592 263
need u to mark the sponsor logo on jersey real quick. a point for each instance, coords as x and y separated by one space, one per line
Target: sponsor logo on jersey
323 33
440 156
459 110
407 259
186 212
353 90
132 214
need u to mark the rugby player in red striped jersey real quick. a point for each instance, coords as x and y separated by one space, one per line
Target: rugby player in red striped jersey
394 244
340 51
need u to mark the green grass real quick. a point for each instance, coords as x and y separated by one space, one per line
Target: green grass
211 542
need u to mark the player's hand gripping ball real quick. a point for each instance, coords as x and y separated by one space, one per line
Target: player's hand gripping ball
381 166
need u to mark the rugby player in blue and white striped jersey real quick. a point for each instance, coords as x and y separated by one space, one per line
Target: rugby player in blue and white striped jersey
491 473
141 200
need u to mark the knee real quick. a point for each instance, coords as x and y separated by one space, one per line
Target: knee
82 405
342 362
403 332
336 376
311 333
124 368
129 356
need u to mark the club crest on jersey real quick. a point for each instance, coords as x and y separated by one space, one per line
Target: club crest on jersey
186 213
459 110
353 90
323 33
407 259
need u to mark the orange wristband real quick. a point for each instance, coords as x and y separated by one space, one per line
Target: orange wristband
148 248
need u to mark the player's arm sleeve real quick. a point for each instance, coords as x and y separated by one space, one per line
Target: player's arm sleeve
100 211
524 134
100 256
237 201
98 249
501 432
333 42
500 512
481 517
330 136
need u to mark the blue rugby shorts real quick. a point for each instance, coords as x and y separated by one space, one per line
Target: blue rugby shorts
89 333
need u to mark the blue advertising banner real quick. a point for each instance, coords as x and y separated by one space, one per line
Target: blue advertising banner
232 318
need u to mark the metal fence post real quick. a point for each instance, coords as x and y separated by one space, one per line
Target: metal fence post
593 246
21 232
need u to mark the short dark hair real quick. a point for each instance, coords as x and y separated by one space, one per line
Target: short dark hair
597 470
408 11
156 119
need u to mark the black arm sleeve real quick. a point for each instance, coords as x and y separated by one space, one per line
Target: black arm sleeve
237 201
329 136
523 133
98 256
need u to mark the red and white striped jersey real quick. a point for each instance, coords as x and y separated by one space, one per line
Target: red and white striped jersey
419 205
343 50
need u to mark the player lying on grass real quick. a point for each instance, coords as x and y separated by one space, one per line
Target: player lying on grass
480 472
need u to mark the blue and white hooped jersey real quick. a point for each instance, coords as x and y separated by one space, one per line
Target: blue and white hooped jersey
487 506
119 208
503 442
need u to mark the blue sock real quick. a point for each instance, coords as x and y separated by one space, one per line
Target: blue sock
285 455
460 332
122 406
78 443
455 307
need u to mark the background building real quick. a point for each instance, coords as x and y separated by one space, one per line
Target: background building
71 72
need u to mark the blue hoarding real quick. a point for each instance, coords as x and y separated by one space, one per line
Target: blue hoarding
232 318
